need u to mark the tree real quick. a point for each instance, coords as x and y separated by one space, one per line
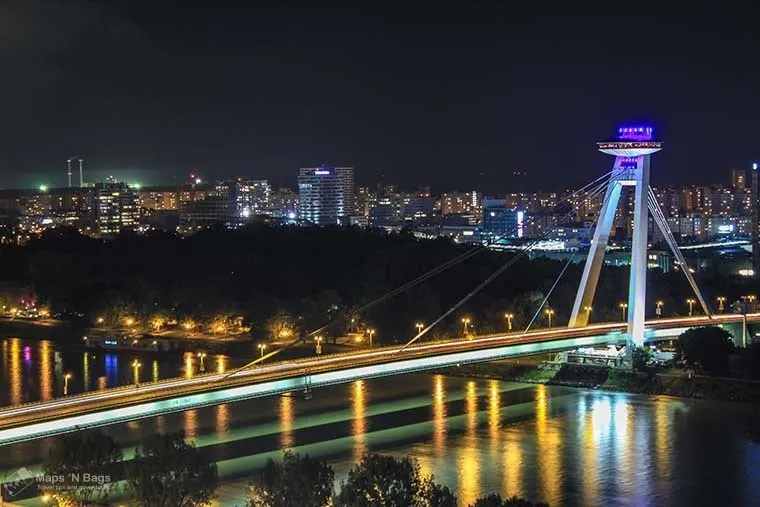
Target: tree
298 480
281 326
385 481
706 349
91 452
494 500
167 471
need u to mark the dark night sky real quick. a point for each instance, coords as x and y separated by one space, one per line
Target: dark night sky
456 96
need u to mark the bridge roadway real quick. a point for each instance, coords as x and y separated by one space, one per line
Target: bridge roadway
100 408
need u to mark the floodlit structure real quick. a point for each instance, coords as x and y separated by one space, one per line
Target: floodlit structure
632 150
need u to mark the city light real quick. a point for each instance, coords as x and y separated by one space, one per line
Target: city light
465 323
550 314
66 379
691 306
721 300
509 317
43 188
623 308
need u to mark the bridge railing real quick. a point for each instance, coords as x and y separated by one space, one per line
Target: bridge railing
211 376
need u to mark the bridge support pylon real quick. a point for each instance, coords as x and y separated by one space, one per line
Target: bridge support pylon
632 151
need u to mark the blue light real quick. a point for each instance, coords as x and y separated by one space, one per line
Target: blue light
754 166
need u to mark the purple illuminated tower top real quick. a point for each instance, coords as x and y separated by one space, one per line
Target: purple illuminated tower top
632 141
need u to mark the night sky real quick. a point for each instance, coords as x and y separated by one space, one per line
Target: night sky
454 96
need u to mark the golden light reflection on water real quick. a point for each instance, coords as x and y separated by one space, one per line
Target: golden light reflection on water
513 463
286 422
222 418
15 372
155 371
439 415
359 422
590 459
221 364
190 424
469 463
549 443
46 371
663 435
189 367
85 371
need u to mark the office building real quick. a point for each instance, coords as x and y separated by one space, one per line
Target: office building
116 207
755 219
253 197
500 220
326 195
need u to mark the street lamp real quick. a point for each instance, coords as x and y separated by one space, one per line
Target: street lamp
136 366
658 308
465 322
623 308
691 306
721 300
262 347
318 344
550 313
509 317
202 356
66 379
100 320
371 333
587 309
419 327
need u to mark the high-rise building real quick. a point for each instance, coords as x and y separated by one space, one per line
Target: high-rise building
326 195
253 197
738 178
116 207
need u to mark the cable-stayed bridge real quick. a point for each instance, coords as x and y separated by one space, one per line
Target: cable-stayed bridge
261 377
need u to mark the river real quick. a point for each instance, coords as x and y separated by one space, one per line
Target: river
558 445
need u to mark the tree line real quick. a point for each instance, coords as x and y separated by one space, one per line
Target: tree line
296 279
167 471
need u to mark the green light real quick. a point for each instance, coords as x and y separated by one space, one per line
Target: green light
43 188
136 186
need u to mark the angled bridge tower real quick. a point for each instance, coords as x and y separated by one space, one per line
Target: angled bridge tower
632 150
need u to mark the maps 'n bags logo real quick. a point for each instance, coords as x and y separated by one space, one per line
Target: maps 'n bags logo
18 482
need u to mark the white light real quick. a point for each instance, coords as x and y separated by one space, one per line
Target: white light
197 181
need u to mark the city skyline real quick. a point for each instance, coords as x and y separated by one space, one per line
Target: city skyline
395 91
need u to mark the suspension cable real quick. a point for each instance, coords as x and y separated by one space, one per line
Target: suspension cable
498 272
416 281
662 222
548 294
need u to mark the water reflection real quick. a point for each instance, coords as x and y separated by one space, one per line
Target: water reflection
155 375
46 371
189 368
469 462
85 371
359 421
15 371
439 414
286 421
222 419
549 448
221 363
190 423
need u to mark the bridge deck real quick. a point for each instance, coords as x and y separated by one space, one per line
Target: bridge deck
60 415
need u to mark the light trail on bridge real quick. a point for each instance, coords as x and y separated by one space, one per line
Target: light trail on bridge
62 415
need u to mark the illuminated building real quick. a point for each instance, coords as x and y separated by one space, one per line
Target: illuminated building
738 178
326 195
116 207
502 221
252 197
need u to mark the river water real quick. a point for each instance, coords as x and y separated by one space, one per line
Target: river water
558 445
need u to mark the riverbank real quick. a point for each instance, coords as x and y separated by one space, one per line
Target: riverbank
652 382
